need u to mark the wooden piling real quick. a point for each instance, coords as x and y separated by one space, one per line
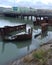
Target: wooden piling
44 27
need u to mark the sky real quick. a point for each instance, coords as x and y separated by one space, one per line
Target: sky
47 4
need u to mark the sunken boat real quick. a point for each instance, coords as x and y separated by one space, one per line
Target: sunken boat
45 20
6 30
20 36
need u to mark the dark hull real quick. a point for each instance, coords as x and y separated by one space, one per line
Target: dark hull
21 37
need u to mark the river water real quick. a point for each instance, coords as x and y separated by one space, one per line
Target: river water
15 50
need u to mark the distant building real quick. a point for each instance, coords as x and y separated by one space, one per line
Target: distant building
15 8
22 9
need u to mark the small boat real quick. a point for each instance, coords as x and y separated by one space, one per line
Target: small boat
19 37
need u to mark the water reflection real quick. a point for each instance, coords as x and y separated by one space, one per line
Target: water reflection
13 50
43 37
19 44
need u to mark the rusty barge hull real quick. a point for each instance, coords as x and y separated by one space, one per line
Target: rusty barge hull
8 29
21 37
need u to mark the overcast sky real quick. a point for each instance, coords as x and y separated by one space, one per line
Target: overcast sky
27 3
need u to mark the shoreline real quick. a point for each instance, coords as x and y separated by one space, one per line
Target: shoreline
17 61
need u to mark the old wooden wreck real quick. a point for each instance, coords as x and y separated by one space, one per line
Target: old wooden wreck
6 36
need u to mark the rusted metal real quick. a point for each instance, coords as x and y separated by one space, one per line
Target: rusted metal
8 29
20 37
44 27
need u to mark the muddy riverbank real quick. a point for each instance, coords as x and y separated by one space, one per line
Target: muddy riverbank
29 60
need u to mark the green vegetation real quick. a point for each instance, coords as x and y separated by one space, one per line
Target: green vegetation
40 56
